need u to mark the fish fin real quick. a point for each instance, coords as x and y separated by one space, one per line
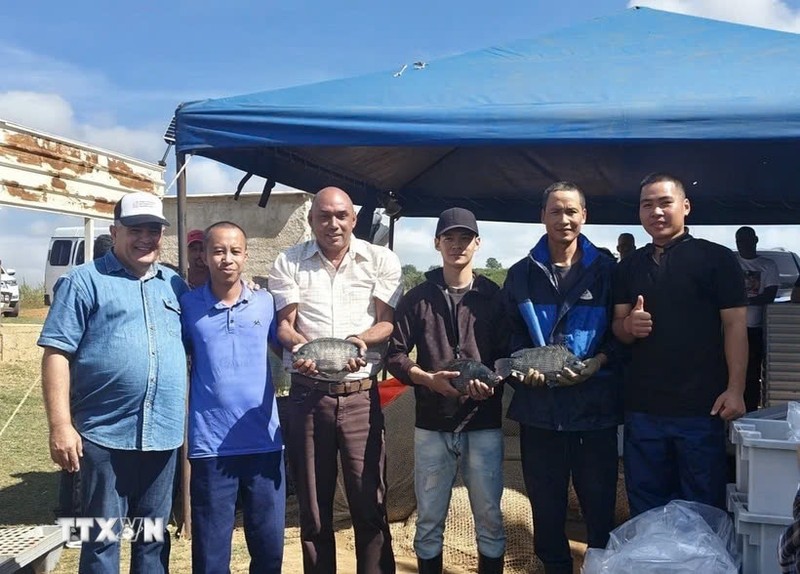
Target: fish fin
504 368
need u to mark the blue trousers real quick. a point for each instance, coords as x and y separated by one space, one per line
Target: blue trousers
549 459
437 458
668 458
215 484
126 483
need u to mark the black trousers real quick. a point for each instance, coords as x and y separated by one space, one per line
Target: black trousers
755 357
549 458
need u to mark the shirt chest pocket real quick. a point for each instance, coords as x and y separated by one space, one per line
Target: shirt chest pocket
172 317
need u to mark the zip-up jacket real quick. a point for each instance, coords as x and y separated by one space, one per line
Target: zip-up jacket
424 320
580 319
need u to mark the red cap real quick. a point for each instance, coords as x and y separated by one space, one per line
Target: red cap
195 235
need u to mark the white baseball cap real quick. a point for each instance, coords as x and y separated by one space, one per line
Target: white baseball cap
139 208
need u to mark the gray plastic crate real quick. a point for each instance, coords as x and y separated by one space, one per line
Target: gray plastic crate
782 353
37 547
767 470
757 536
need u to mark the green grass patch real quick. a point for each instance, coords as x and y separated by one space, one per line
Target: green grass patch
31 296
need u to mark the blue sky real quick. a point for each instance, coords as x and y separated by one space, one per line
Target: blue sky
112 73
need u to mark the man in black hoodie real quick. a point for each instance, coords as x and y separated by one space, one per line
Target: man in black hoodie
452 315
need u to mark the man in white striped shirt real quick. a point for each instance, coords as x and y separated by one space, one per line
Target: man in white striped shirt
337 286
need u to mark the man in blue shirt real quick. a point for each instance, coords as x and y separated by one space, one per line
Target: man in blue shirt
114 382
561 294
235 443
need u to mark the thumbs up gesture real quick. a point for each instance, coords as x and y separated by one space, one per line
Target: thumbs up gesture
639 323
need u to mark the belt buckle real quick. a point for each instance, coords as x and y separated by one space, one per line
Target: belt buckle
344 387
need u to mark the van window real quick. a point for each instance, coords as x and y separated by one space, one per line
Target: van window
80 254
60 252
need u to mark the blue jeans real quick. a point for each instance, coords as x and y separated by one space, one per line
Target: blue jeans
126 483
668 458
438 456
215 484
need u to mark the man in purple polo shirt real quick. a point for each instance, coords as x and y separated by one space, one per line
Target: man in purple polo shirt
235 443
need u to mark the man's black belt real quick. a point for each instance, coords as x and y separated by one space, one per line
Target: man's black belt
333 387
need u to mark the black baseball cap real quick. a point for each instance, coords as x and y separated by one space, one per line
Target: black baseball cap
454 218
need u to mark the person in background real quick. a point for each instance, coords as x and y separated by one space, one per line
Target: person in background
761 284
114 383
626 245
102 245
561 294
681 306
235 443
197 274
340 286
452 315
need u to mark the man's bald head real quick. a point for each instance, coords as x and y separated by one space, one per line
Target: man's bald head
327 194
332 219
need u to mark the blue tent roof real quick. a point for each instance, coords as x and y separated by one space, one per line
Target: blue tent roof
602 103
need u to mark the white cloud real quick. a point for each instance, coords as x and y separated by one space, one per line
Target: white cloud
773 14
46 112
51 113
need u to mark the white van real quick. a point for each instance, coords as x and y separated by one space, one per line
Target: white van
65 252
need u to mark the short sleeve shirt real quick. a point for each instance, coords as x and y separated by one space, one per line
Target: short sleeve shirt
680 368
336 302
127 362
232 406
759 273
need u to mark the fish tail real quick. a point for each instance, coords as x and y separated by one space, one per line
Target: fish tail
504 367
373 356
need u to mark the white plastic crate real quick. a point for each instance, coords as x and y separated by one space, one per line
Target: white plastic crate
757 536
767 470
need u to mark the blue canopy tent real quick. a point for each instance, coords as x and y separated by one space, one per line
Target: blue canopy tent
601 103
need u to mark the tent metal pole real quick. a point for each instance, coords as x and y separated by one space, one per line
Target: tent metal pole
183 265
392 219
183 252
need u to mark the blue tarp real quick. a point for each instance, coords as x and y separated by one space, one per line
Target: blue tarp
601 103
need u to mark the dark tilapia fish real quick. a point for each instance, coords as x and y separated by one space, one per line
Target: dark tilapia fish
468 370
331 355
549 361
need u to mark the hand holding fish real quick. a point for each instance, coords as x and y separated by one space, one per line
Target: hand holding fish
356 363
439 382
305 367
568 377
533 378
477 390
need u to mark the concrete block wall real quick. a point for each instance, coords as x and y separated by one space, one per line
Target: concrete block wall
270 230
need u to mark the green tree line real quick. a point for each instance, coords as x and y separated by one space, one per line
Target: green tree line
493 270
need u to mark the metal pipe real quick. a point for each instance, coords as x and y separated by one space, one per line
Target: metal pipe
183 251
88 238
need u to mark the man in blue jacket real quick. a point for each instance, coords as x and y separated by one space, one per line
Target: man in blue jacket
561 294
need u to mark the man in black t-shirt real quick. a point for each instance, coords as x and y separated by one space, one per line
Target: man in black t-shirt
680 302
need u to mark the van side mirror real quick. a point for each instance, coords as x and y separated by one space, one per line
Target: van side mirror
11 271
